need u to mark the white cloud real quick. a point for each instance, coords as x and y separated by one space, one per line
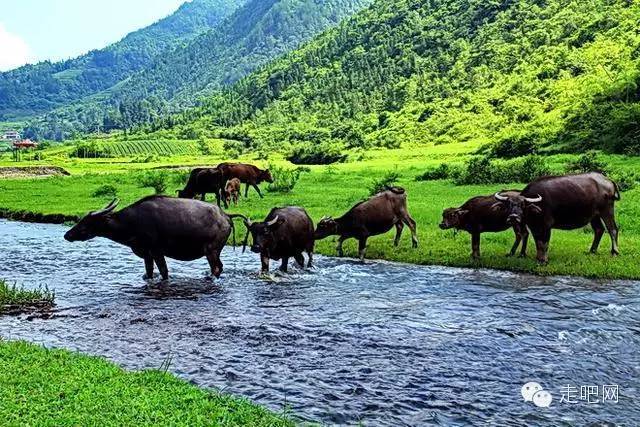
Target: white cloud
14 52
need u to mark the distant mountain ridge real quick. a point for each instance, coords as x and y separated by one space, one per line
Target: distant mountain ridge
42 87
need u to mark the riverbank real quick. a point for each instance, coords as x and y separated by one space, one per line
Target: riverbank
332 190
39 386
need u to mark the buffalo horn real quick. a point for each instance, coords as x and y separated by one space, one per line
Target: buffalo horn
108 209
534 199
273 221
500 197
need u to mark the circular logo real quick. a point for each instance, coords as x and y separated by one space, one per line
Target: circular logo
529 389
542 399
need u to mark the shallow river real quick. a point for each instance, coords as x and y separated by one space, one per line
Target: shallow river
381 343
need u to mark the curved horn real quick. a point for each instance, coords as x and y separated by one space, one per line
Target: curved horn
500 197
533 199
107 209
273 221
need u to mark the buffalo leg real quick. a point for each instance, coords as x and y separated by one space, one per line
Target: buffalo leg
162 266
299 259
542 246
213 257
285 264
258 190
514 248
362 248
148 267
246 190
264 260
612 228
412 226
598 231
339 246
310 261
475 245
399 227
525 239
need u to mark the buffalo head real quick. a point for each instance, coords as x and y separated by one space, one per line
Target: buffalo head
91 224
266 176
326 227
452 218
517 206
262 234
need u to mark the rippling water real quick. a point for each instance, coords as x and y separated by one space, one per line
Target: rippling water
381 343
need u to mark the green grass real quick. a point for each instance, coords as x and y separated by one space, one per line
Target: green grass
17 297
331 190
57 387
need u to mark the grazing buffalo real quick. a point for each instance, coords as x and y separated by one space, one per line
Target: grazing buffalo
565 203
483 214
157 227
232 191
202 181
285 232
247 174
369 218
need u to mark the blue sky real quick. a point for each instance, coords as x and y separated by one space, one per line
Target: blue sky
35 30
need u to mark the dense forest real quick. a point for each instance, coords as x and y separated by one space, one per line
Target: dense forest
256 33
516 76
45 86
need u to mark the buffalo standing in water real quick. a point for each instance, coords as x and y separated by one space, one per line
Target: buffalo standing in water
285 233
157 227
565 203
483 214
369 218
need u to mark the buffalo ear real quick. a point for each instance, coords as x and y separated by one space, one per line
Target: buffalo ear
462 213
497 206
535 209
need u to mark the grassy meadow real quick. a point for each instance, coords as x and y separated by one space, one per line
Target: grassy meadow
39 386
333 189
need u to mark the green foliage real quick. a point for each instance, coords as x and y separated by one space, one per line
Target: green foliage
482 170
442 171
105 190
389 179
625 180
587 162
158 180
320 154
284 179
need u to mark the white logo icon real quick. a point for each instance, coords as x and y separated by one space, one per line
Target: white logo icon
533 392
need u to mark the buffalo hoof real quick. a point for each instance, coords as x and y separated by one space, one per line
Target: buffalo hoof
414 245
147 277
615 253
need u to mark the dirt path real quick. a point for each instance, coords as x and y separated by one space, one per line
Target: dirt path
31 171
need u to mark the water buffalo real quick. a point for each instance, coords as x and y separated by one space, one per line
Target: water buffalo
232 191
483 214
202 181
566 203
285 232
369 218
248 174
157 227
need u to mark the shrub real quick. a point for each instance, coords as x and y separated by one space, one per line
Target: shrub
233 148
532 168
587 162
284 179
389 179
158 180
443 171
106 190
478 170
625 180
316 154
90 150
481 170
511 146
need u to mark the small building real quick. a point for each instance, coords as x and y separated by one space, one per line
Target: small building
11 135
24 144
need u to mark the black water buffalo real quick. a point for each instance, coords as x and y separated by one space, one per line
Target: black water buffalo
232 191
369 218
202 181
286 232
247 174
157 227
565 203
483 214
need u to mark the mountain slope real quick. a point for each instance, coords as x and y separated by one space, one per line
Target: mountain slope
515 75
255 34
45 86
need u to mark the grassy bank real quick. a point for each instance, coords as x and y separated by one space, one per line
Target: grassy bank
331 190
57 387
17 299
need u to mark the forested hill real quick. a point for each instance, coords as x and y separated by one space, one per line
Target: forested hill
256 33
517 75
42 87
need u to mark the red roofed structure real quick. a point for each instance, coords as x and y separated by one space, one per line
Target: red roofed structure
24 144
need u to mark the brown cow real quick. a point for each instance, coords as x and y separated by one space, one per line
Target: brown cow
202 181
483 214
566 203
232 191
369 218
248 174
